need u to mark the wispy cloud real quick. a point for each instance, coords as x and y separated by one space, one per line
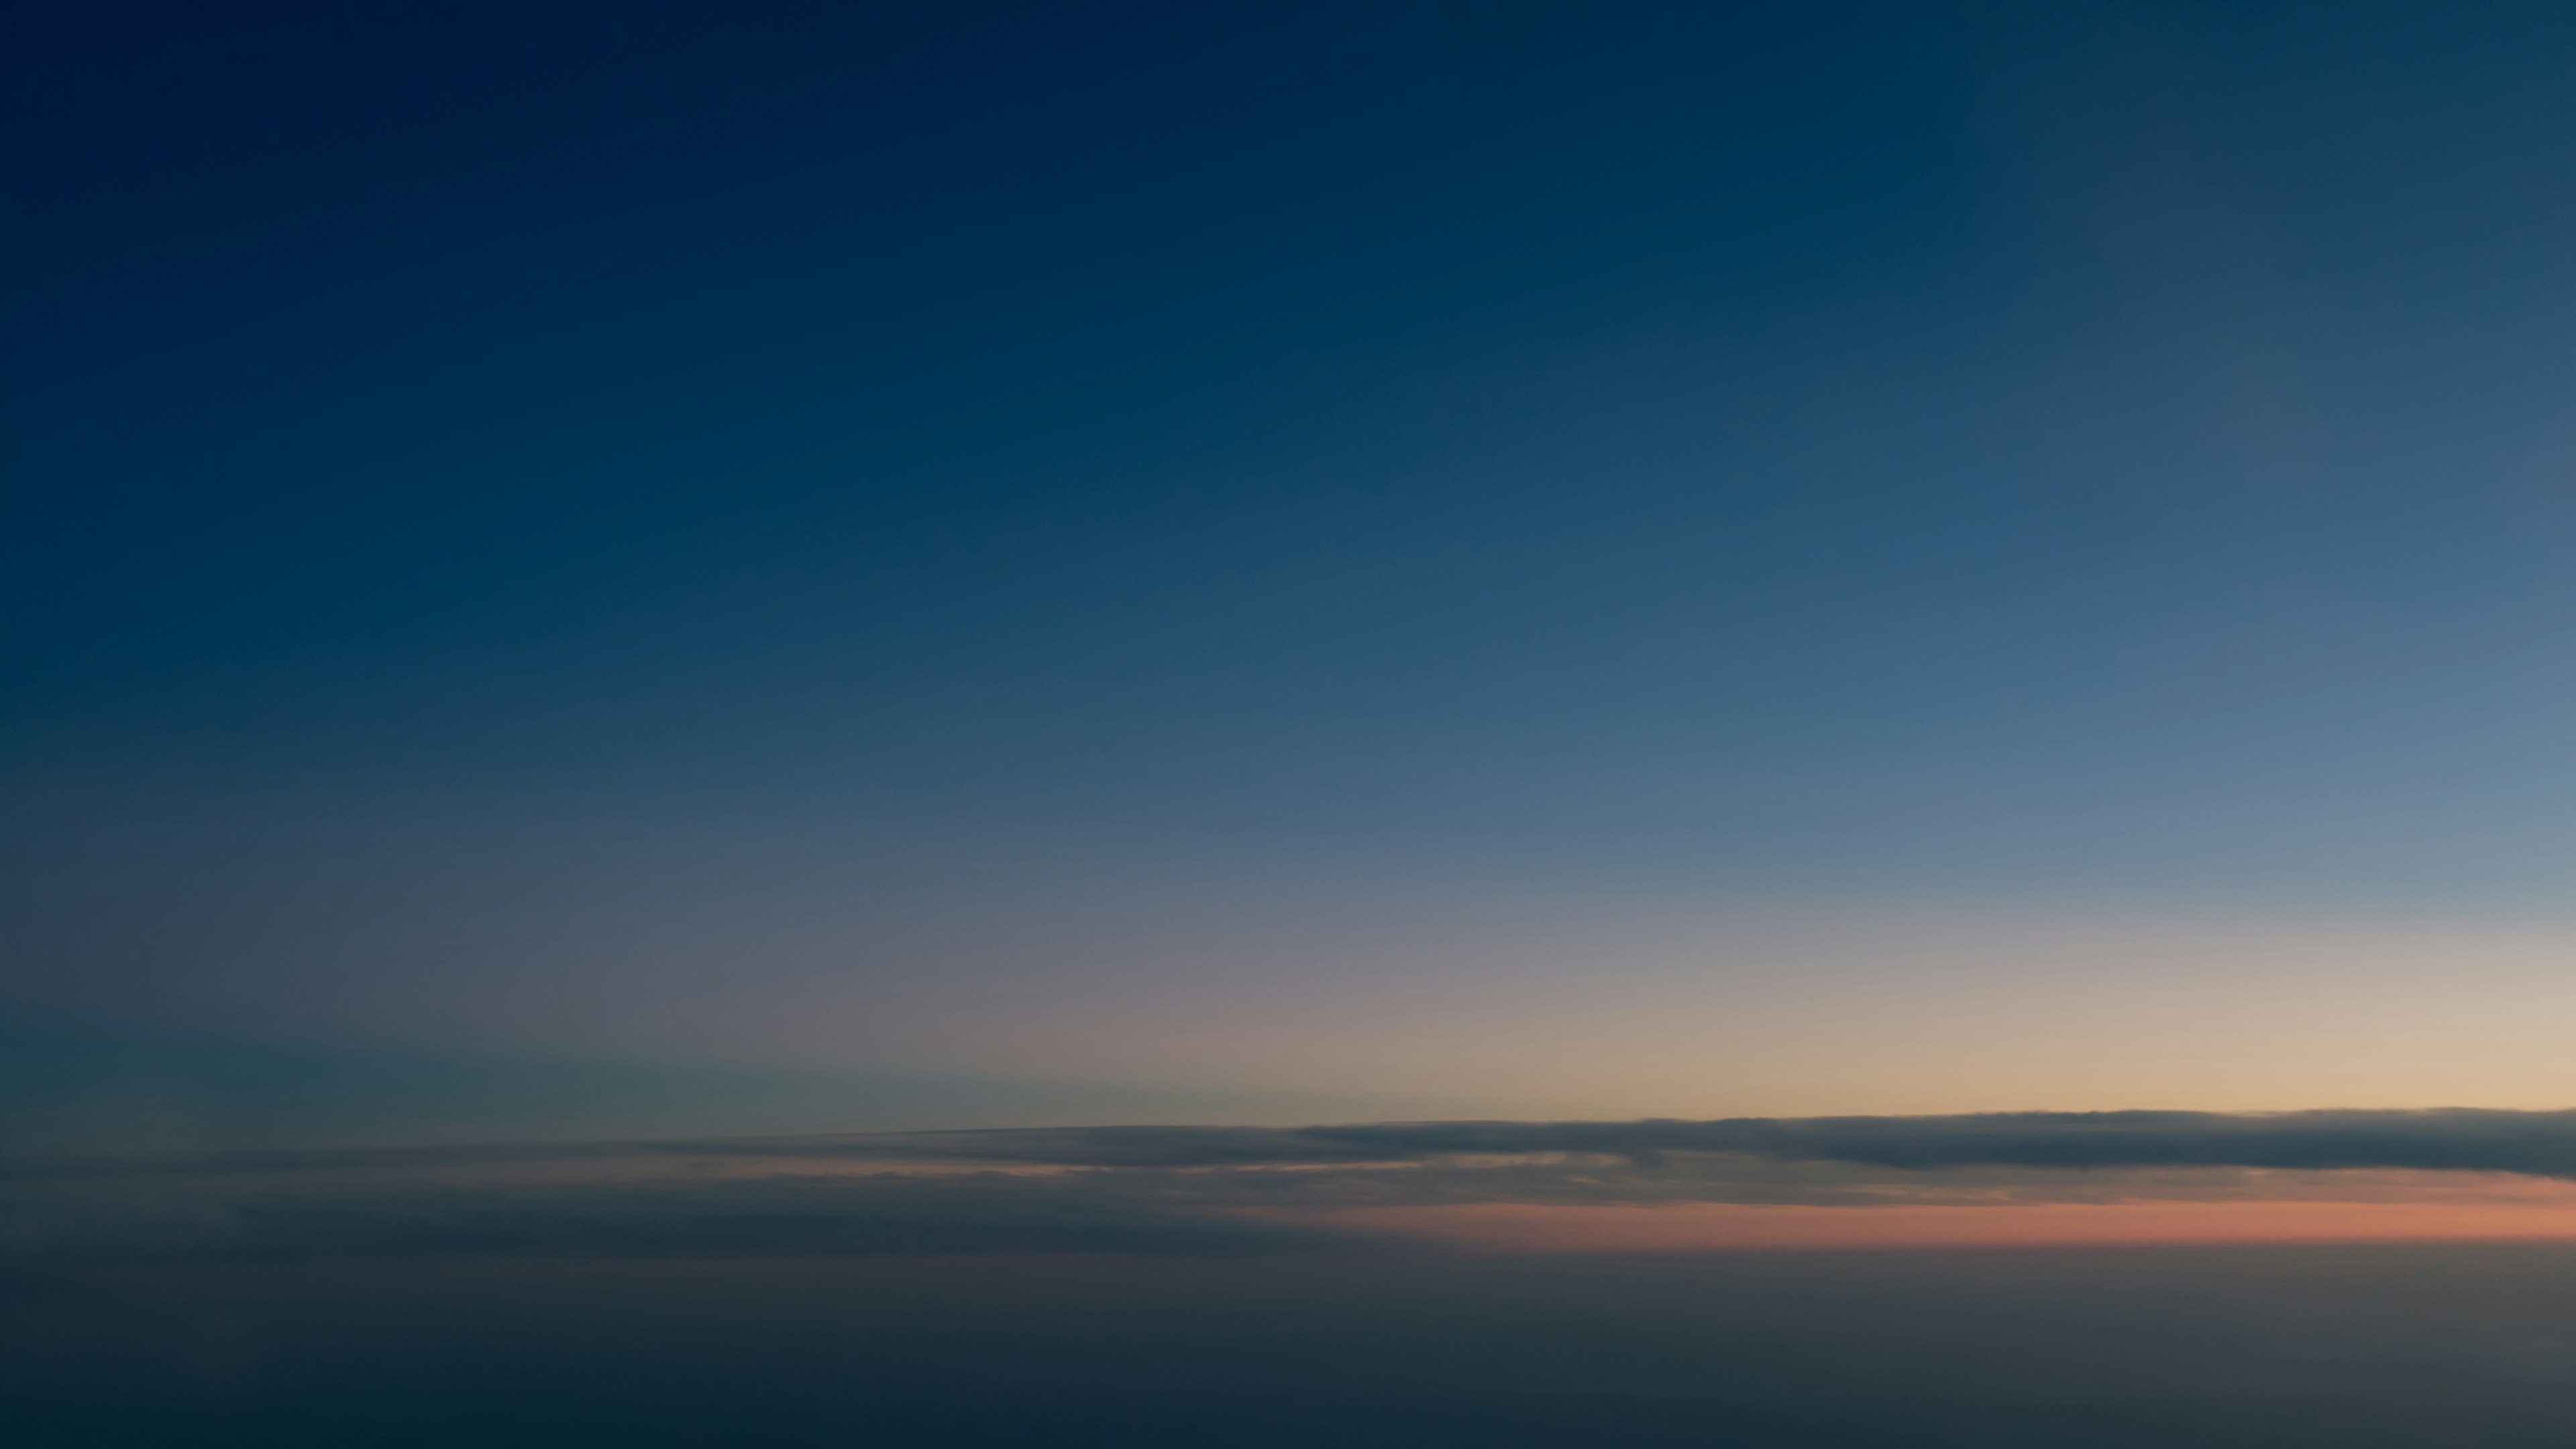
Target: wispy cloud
1227 1189
2454 1139
2541 1143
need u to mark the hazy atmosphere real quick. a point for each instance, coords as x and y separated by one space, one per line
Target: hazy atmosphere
1792 724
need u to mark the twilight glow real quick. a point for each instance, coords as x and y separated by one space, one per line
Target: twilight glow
1121 723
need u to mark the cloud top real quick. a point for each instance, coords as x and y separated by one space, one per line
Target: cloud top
2460 1139
2449 1139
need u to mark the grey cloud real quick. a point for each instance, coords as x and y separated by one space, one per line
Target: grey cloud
2535 1143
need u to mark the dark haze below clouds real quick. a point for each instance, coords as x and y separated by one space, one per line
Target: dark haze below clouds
2359 1349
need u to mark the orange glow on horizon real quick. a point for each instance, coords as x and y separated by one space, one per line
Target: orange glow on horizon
1717 1227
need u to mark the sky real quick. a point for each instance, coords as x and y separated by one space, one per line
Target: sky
1301 562
614 611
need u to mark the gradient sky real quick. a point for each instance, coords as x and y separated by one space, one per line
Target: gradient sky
1711 726
773 567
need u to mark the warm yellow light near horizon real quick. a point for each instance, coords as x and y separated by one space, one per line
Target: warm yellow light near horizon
1820 1013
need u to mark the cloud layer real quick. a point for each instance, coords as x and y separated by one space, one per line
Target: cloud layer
2453 1139
1209 1189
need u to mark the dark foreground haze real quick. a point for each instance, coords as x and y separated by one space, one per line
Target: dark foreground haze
2347 1346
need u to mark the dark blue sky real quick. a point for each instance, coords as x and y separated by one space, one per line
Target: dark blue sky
551 393
483 477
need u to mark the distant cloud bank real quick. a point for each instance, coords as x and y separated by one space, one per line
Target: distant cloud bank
1248 1189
